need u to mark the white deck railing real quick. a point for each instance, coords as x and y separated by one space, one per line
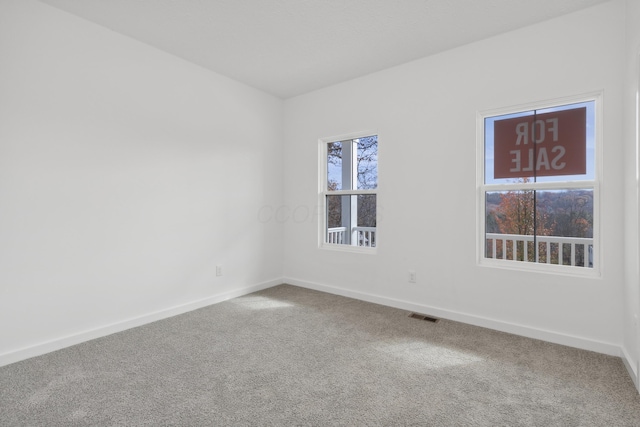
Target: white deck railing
501 246
335 235
365 236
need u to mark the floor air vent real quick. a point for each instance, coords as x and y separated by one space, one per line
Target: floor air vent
423 317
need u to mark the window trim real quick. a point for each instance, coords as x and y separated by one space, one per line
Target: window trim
323 192
595 184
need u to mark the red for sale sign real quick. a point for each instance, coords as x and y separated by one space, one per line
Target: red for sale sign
545 144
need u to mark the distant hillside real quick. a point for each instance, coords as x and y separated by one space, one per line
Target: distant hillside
567 213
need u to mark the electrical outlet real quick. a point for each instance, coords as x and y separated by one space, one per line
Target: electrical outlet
218 270
412 276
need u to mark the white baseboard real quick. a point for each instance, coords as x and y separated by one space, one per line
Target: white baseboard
512 328
633 370
69 340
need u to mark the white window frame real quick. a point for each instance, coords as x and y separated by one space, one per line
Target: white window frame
323 192
482 189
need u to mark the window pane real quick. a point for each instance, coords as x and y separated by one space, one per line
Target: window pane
489 146
334 210
367 163
545 145
509 217
334 166
351 220
561 232
366 210
568 221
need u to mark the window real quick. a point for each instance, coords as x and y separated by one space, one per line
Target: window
348 191
538 181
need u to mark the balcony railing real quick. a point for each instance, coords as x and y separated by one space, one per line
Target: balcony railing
364 236
575 251
336 235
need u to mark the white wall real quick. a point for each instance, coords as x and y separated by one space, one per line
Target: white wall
126 175
425 114
631 295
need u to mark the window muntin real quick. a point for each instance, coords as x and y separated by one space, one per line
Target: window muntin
533 211
349 192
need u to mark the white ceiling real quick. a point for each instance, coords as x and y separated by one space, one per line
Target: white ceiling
290 47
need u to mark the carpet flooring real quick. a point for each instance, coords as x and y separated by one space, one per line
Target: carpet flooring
291 356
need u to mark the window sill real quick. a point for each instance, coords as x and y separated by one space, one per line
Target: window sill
348 248
554 269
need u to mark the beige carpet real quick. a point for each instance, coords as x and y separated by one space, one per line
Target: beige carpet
291 356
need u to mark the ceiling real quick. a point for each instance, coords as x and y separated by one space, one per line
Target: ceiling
291 47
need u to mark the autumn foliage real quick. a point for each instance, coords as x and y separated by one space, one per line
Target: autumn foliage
517 214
